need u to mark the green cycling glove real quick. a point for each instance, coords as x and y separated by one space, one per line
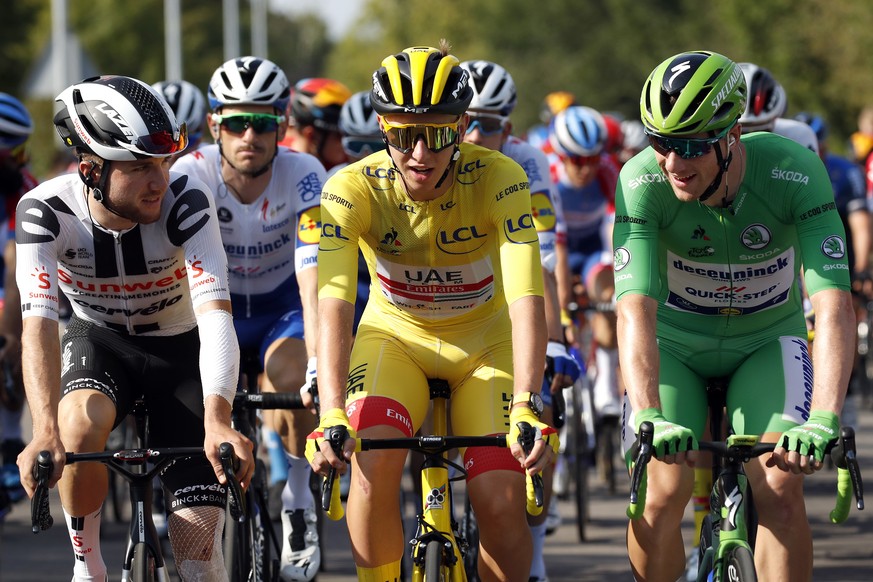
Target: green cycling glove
811 437
670 438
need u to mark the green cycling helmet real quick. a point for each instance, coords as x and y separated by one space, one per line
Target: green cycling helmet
693 92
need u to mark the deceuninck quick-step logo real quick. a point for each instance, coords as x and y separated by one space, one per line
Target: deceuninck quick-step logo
834 247
756 236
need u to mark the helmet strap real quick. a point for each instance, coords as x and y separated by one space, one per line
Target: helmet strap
455 156
723 164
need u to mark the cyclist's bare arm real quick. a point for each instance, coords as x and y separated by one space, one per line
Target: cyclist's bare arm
833 354
216 421
335 318
640 361
41 358
528 355
10 325
307 282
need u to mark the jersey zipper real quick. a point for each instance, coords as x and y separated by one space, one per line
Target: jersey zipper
119 264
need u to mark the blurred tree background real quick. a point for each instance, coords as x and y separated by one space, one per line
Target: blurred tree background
600 50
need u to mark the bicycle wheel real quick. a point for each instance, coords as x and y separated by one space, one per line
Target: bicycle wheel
739 565
435 568
607 440
237 544
579 456
470 533
142 567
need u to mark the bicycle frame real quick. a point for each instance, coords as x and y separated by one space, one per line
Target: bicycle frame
437 547
142 533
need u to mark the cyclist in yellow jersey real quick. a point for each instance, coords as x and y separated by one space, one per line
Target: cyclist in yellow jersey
456 294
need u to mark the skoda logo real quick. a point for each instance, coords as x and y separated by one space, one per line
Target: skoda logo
755 237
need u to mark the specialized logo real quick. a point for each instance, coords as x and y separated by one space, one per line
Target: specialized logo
436 498
677 71
542 211
833 247
728 88
756 237
732 503
699 233
309 226
620 258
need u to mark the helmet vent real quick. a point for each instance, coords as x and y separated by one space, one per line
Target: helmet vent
152 111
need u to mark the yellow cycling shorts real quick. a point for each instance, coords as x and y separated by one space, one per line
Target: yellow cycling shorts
389 372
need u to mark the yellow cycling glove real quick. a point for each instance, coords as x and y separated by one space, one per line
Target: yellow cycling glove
331 418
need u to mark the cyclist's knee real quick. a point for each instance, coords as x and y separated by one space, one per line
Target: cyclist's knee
286 374
85 417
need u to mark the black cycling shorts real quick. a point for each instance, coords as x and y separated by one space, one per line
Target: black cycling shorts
162 370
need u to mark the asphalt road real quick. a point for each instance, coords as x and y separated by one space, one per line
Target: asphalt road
842 553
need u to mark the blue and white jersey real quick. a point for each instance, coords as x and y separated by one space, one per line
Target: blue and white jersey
547 214
271 239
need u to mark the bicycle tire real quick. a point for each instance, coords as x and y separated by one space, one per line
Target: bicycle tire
579 462
236 544
606 451
435 568
739 565
470 533
142 566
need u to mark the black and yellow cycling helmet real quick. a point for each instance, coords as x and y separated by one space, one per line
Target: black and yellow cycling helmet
421 79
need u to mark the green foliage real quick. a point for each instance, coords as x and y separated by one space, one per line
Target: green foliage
601 50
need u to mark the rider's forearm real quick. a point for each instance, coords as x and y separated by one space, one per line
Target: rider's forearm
528 343
833 350
552 306
335 318
41 367
638 349
860 225
307 282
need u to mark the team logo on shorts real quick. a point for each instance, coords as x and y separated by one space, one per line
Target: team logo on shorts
833 247
620 258
756 236
309 226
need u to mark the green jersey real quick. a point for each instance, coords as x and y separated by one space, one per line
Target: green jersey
728 272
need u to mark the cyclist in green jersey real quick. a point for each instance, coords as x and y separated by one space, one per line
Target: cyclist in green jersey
710 234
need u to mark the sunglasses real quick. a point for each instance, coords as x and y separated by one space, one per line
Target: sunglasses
238 123
487 123
686 148
362 147
581 160
164 143
437 136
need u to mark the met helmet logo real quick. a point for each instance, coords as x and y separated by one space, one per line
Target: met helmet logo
116 118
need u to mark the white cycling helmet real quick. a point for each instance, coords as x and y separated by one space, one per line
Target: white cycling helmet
493 87
249 81
578 131
186 101
634 135
766 101
357 117
118 118
797 131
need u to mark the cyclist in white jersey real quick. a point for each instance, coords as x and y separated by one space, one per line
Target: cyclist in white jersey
494 98
135 248
268 207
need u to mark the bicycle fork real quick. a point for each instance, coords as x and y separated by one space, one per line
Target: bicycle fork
436 521
142 530
729 521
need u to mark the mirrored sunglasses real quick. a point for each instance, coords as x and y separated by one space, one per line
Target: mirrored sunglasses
437 136
487 123
238 123
686 148
164 143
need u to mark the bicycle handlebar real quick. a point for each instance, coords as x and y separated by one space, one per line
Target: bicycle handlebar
429 445
40 515
236 499
842 451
